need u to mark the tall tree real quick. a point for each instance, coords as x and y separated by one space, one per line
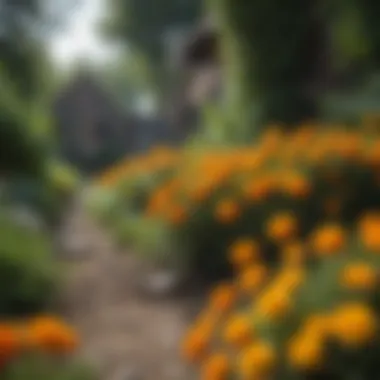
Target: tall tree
270 53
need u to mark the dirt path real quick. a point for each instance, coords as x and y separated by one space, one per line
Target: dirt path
125 336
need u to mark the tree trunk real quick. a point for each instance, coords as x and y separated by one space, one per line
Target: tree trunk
271 52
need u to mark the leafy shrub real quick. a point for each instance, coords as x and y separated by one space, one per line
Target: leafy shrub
27 271
62 178
47 196
20 152
314 315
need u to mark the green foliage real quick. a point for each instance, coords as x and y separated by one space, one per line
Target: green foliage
349 105
368 10
20 152
41 367
149 238
63 178
269 51
27 269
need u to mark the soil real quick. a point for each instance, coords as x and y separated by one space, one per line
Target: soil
126 335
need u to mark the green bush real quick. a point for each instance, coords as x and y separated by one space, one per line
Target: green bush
47 196
27 272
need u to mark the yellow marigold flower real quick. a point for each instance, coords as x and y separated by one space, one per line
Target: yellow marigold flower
288 279
251 278
318 325
274 304
238 331
359 276
257 360
354 324
216 367
328 239
227 211
195 345
243 252
369 231
222 297
282 226
305 352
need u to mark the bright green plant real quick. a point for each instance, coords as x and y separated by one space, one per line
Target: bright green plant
27 269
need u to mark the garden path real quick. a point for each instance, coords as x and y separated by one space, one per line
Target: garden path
125 335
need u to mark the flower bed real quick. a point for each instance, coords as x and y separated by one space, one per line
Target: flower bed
315 315
274 191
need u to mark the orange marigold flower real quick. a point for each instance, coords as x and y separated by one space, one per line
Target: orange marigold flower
369 231
251 278
257 360
317 325
9 343
258 188
53 335
238 331
227 211
328 239
354 324
288 279
296 186
222 297
207 321
201 191
243 252
273 304
195 345
306 352
359 276
216 367
282 226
